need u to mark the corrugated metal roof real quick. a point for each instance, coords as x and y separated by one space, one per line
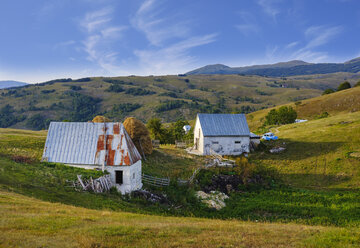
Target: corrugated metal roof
224 124
89 143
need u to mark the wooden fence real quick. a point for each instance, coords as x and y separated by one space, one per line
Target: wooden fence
161 182
155 181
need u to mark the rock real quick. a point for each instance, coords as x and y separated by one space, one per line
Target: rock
277 149
214 199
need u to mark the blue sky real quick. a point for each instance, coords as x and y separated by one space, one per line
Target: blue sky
46 39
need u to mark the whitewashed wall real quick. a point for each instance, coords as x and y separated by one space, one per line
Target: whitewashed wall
226 145
199 134
129 182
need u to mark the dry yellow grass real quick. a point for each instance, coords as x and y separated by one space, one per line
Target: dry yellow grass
345 101
28 222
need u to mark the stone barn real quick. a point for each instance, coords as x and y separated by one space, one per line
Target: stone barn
225 134
101 146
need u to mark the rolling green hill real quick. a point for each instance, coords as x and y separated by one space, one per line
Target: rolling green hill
345 101
167 97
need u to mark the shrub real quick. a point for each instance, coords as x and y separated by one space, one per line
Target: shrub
169 105
7 117
328 91
343 86
75 87
139 92
322 115
283 115
115 88
37 122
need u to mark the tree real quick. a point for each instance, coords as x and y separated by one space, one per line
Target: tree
283 115
139 134
357 84
100 119
328 91
343 86
37 122
156 129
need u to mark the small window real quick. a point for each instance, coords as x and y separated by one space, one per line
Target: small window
134 175
215 142
119 177
237 142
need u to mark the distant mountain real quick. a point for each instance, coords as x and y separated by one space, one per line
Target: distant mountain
282 69
10 84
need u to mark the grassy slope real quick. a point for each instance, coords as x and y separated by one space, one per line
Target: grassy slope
28 222
345 101
317 154
226 86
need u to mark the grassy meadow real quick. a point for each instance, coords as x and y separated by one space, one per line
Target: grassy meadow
312 201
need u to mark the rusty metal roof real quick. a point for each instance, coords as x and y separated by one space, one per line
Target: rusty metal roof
89 143
224 124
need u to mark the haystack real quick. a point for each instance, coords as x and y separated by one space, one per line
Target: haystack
139 134
100 119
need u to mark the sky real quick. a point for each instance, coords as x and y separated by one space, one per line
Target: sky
42 40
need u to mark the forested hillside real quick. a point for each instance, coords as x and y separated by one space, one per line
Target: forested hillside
167 97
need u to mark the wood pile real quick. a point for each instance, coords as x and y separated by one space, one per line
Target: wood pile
99 185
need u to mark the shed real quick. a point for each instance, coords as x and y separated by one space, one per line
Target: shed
89 145
225 134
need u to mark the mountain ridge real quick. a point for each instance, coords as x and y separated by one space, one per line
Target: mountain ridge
10 84
281 69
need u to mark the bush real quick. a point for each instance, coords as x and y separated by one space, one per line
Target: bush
169 105
357 84
328 91
139 92
75 87
283 115
115 88
322 115
37 122
345 85
7 117
83 107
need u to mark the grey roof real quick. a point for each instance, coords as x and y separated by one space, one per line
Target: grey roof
86 143
224 125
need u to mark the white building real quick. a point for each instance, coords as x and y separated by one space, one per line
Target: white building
102 146
226 134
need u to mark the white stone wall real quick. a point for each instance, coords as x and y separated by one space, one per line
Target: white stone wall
129 182
226 145
199 135
131 175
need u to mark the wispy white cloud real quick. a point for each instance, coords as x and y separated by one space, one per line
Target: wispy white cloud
173 57
248 24
269 7
64 44
316 36
169 37
310 49
151 20
101 36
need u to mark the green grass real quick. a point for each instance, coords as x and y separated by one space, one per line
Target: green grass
328 196
29 222
317 153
